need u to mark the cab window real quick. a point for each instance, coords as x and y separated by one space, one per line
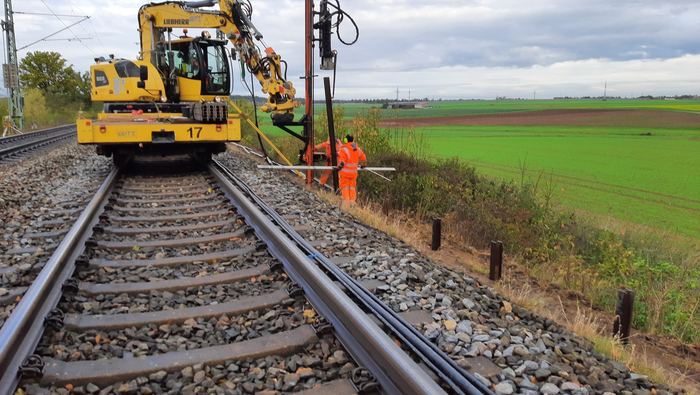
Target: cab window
216 77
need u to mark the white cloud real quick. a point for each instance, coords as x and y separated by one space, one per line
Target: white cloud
441 48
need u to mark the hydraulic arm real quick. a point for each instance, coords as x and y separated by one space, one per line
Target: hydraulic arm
157 20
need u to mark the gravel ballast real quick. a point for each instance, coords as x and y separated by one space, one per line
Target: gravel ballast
41 194
528 354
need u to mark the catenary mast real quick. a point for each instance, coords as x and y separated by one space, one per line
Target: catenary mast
11 72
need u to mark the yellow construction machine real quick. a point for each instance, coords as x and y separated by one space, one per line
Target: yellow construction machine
174 98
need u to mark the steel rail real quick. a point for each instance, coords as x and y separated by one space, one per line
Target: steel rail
29 145
456 377
25 326
30 135
366 342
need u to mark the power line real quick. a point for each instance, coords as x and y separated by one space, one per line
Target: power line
68 27
53 34
41 13
82 27
67 39
70 3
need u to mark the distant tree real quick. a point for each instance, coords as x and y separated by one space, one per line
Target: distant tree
83 86
48 72
35 110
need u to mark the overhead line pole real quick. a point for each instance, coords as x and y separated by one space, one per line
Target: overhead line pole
11 73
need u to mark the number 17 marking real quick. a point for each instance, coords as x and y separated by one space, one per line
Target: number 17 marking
199 130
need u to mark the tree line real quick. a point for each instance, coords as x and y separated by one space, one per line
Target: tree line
54 92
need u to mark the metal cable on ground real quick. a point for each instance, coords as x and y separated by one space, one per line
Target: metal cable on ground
250 151
461 381
371 347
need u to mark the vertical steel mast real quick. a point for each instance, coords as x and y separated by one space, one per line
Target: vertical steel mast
309 115
11 72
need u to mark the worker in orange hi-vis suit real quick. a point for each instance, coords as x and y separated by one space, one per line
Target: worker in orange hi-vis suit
351 157
327 146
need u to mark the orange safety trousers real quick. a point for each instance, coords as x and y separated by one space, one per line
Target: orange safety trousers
326 145
326 174
350 156
347 186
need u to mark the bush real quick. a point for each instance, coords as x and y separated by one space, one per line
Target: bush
522 215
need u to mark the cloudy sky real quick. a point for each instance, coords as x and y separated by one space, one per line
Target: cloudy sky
449 49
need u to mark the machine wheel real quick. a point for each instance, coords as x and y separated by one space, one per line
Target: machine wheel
203 157
120 160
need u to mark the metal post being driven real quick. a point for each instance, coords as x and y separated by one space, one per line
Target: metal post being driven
331 131
309 114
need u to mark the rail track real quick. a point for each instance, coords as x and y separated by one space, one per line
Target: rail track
14 146
189 283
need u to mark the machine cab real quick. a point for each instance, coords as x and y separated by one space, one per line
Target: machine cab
201 68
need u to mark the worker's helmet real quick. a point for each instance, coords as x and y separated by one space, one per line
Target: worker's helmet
348 139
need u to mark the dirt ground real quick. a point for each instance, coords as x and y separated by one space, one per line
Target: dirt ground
612 118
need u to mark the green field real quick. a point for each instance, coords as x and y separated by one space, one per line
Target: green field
442 109
445 108
648 180
610 172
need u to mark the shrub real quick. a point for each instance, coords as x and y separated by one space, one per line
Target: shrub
522 215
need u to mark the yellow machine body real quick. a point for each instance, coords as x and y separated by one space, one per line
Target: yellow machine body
175 97
147 129
117 81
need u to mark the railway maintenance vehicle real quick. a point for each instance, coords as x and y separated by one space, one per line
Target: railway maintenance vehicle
174 98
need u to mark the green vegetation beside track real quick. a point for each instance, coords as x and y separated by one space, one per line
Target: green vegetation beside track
593 208
619 172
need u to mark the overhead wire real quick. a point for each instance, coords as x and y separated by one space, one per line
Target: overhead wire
55 33
81 26
91 25
41 13
255 112
67 27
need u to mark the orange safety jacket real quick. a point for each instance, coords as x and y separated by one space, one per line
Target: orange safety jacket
326 145
350 157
